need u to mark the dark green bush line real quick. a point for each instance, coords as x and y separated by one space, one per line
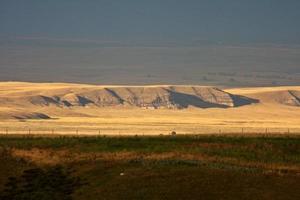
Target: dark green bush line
138 141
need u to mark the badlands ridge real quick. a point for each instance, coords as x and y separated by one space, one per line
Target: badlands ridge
25 100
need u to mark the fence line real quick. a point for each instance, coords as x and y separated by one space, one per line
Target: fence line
120 132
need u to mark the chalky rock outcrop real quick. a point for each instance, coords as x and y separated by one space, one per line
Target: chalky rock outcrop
147 97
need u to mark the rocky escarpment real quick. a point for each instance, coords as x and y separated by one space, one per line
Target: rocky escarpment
149 97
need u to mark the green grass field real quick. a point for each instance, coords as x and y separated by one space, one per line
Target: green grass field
158 167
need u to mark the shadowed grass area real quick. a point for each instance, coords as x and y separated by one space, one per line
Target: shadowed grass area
164 167
263 148
181 181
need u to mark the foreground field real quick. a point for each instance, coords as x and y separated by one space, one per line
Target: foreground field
164 167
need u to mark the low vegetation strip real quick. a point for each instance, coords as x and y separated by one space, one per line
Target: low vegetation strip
279 150
50 157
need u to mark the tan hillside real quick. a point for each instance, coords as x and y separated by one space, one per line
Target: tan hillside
154 97
157 109
272 95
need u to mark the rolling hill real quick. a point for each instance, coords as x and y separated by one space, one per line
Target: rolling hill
63 96
152 109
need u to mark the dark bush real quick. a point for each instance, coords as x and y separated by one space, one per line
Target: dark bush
54 183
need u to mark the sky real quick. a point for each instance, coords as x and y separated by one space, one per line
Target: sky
215 42
212 21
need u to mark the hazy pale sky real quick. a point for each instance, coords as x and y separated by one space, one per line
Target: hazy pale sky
207 21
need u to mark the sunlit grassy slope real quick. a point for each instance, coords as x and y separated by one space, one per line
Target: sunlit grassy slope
275 112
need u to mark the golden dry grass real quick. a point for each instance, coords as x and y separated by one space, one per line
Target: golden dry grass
268 114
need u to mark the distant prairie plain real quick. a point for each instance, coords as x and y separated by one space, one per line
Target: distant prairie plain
148 63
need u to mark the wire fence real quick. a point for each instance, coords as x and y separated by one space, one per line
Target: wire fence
122 132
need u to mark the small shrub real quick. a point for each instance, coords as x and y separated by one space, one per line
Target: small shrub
173 133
